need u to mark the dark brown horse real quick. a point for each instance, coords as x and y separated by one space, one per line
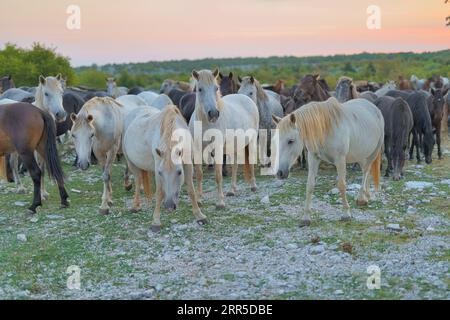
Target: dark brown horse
436 103
404 84
6 83
278 87
310 89
228 84
399 122
25 129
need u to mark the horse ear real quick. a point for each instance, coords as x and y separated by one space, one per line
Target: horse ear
159 153
239 79
275 119
317 77
73 117
10 77
220 75
195 74
59 77
432 91
216 73
252 80
42 80
292 117
230 75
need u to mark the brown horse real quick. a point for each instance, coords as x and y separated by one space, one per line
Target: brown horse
310 89
228 84
25 129
6 83
404 84
278 87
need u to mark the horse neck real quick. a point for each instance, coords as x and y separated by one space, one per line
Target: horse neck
199 114
39 98
320 94
264 112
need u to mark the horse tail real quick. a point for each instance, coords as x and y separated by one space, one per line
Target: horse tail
147 184
3 174
51 152
247 175
376 170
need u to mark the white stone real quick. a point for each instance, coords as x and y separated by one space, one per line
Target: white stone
394 227
419 185
411 210
20 204
21 237
265 200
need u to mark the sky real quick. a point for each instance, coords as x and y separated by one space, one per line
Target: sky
118 31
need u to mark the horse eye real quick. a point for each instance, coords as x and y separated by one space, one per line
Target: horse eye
291 141
251 93
92 135
46 94
160 173
179 172
200 89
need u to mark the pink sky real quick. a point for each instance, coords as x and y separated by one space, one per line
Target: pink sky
143 30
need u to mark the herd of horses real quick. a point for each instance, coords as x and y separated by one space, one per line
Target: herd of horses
354 124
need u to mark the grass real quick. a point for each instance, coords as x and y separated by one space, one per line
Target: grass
111 249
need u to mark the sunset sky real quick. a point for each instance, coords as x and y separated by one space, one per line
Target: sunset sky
143 30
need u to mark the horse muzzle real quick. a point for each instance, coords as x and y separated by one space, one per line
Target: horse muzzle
83 165
170 206
61 116
213 116
282 174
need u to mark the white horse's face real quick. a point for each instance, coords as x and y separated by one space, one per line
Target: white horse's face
52 97
207 94
289 149
171 178
249 89
167 86
110 85
344 91
83 133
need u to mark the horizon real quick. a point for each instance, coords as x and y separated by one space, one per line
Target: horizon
142 31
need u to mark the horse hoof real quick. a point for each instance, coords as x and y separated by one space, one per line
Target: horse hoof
104 212
110 203
254 189
155 229
224 174
361 203
44 197
305 223
231 194
203 222
31 211
129 187
220 206
346 219
64 205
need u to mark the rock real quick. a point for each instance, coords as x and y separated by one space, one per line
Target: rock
430 228
54 216
265 200
34 219
418 185
291 246
317 249
20 204
334 191
354 187
339 292
75 190
158 287
21 237
394 227
411 210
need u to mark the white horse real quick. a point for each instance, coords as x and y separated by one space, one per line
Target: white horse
233 112
268 105
339 134
17 94
99 127
161 102
113 90
7 101
148 96
417 83
132 100
386 88
149 148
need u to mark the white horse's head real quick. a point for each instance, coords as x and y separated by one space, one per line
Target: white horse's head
167 86
49 97
249 88
208 95
83 133
110 85
171 176
289 146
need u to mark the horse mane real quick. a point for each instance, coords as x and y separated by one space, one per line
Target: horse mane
315 121
84 112
167 127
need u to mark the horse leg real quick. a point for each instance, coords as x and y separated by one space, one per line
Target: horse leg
411 149
304 162
35 173
199 177
364 192
342 172
438 140
313 163
219 181
14 163
127 183
106 197
387 152
224 166
137 191
418 147
41 163
201 218
253 186
156 224
234 170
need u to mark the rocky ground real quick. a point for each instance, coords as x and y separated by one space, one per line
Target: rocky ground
254 249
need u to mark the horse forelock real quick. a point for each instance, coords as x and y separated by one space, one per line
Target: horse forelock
314 121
